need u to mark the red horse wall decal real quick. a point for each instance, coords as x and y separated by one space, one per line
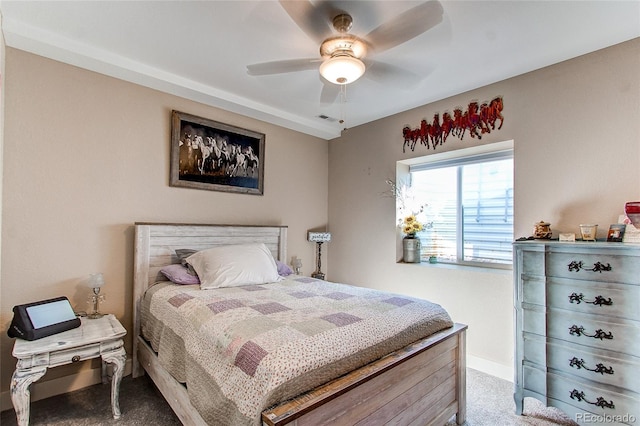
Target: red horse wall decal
478 120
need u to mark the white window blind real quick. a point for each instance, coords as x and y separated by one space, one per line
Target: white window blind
470 202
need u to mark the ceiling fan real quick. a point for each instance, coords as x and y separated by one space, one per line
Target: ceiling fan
344 57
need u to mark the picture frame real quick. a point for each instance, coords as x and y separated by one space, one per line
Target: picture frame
209 155
616 232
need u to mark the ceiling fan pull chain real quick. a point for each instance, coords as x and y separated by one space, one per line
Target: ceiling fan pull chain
343 102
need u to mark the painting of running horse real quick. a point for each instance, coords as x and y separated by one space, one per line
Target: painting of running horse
476 120
206 154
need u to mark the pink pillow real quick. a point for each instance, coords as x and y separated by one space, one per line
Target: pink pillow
179 274
283 269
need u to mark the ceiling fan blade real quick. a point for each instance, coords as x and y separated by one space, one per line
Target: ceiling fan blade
329 92
311 19
280 67
384 73
406 26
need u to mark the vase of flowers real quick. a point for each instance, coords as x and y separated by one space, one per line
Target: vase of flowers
410 243
408 208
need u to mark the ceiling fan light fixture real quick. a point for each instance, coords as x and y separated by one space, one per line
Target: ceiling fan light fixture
342 69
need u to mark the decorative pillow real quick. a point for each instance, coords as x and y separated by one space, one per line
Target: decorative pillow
179 274
234 266
182 255
283 269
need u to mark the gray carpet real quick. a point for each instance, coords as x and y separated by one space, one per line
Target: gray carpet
489 402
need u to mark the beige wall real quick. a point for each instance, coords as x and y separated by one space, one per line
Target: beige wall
87 155
577 155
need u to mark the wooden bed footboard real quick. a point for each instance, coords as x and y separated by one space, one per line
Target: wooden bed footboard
423 383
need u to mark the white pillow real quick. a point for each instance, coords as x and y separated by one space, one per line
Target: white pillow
234 266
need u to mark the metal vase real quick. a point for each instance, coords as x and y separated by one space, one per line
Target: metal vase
411 250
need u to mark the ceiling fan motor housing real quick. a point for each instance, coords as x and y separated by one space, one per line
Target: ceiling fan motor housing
345 44
342 22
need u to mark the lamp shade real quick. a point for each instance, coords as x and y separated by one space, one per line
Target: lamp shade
95 280
319 237
342 69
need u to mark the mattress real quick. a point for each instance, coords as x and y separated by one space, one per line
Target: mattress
241 350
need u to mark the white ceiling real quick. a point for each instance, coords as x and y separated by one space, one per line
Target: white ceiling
200 50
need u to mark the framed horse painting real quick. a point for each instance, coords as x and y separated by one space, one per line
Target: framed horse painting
206 154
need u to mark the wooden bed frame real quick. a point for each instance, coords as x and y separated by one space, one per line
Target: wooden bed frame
423 383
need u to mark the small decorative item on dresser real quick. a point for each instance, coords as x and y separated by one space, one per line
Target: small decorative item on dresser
568 237
588 232
616 232
632 210
542 230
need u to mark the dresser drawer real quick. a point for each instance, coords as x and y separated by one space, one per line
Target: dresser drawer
602 401
594 364
591 297
593 267
595 331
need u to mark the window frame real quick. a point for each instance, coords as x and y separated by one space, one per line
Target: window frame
465 156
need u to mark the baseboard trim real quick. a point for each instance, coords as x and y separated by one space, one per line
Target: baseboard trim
490 367
49 388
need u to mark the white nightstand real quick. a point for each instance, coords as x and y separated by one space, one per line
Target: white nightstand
100 337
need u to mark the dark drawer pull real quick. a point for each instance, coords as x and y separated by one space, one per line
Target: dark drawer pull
600 368
599 300
75 358
577 265
600 401
578 330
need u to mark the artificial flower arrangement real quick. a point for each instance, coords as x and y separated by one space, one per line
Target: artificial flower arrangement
411 225
408 209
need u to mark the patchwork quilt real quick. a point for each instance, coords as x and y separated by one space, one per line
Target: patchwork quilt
241 350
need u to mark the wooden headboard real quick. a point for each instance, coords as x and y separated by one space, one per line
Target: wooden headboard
155 245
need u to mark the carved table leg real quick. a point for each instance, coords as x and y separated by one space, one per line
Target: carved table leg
20 393
103 373
118 359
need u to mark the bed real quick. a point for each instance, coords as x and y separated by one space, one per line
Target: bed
421 382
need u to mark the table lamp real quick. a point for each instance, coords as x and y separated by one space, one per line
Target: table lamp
297 265
319 238
95 282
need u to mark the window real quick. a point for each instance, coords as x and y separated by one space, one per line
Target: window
469 202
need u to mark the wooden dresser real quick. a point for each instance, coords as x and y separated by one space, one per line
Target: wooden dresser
577 313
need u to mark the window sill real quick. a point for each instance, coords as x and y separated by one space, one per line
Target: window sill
444 265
